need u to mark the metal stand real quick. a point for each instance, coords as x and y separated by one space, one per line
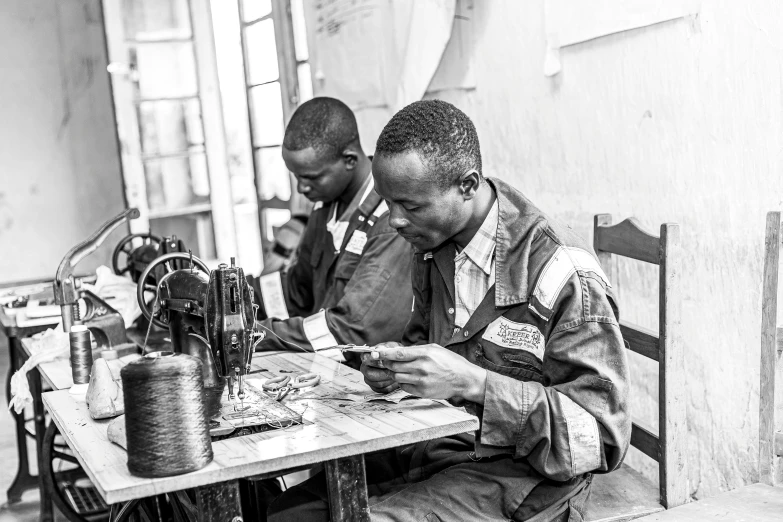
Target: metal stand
347 485
39 416
219 502
24 480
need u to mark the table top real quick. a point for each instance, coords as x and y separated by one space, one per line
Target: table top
332 429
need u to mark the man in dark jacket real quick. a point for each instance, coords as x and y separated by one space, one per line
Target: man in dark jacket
350 280
513 319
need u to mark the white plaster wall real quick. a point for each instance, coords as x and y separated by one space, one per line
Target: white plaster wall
678 122
59 161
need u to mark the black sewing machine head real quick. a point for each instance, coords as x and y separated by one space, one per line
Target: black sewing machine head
208 314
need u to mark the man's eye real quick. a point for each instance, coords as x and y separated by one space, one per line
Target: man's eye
411 209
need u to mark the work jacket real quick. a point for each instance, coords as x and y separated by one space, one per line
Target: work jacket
547 333
359 294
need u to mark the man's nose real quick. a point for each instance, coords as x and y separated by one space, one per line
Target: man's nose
302 187
396 220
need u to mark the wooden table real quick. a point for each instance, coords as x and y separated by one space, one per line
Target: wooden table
336 432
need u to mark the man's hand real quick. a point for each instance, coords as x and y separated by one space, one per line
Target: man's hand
375 375
433 372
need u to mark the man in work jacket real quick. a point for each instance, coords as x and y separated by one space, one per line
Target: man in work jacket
349 282
513 319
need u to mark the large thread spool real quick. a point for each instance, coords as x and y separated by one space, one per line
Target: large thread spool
81 353
165 416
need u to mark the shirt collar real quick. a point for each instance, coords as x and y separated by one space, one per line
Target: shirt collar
357 201
481 248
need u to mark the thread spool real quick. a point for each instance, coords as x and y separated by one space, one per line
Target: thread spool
165 417
81 353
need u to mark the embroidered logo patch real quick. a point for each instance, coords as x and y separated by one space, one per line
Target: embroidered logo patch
357 242
519 336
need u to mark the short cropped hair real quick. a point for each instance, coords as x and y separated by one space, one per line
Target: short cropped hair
442 135
325 124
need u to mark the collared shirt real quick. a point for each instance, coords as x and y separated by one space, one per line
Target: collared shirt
338 228
474 269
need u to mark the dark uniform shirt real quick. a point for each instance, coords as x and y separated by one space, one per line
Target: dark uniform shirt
359 294
547 333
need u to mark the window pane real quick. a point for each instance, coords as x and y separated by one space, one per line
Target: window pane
156 19
305 82
261 52
170 126
255 9
273 176
166 70
174 183
267 114
196 232
249 238
300 31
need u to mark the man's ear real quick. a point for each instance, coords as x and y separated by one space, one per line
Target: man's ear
469 184
350 159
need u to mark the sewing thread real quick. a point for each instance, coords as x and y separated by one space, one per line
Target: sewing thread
165 416
81 353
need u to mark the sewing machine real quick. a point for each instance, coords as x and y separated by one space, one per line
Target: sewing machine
209 315
105 323
137 258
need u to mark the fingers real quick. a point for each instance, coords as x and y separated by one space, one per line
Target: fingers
403 367
384 389
375 374
369 361
387 345
398 353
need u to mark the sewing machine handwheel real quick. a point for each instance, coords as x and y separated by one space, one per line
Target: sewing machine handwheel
165 260
125 246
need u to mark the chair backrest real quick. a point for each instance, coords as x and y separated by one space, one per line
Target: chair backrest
770 398
627 239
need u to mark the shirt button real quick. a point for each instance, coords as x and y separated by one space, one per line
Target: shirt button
465 333
459 279
451 310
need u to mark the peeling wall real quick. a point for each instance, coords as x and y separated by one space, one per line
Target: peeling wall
677 122
59 161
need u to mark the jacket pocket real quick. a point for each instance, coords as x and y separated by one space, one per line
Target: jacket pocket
509 362
346 265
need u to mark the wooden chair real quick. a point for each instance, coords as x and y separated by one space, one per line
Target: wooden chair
762 501
625 494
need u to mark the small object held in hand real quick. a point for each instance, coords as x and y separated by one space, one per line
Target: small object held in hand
354 348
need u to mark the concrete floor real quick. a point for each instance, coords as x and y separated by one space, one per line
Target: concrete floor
27 510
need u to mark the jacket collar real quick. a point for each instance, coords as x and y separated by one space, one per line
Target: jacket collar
519 223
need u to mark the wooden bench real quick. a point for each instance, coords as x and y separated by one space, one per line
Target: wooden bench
763 501
625 494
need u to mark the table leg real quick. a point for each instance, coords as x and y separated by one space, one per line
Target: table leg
34 377
23 480
347 485
219 502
